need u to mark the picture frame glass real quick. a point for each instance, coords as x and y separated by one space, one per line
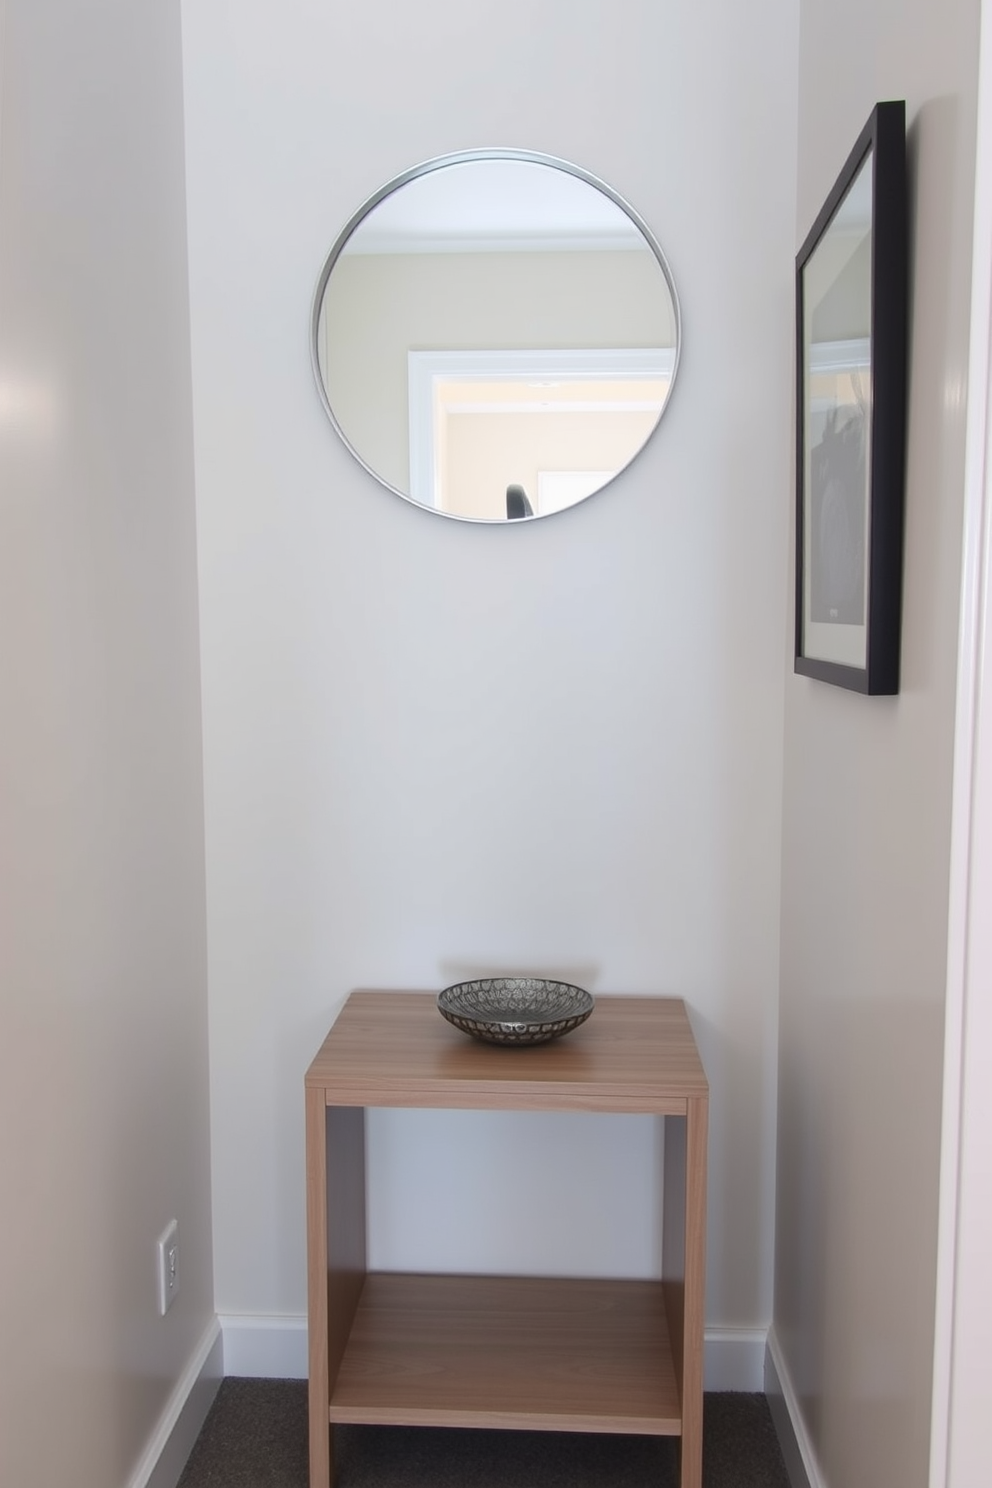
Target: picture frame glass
836 433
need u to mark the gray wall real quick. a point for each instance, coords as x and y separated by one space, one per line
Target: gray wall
866 822
103 1038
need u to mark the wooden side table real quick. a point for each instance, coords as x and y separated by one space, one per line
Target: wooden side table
525 1353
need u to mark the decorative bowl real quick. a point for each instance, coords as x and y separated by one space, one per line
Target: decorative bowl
515 1010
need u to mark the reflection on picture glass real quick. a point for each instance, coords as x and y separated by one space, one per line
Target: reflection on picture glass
838 416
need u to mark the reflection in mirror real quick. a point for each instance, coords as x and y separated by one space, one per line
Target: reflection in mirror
495 335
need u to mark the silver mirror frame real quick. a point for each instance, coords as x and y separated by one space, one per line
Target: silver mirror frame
439 162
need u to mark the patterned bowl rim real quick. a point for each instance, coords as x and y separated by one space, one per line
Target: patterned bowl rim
579 1007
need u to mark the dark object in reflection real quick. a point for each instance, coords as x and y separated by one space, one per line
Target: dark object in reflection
517 504
839 480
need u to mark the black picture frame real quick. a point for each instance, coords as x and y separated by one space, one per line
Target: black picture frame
851 333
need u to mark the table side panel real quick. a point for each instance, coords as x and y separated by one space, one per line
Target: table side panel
694 1300
673 1237
346 1240
317 1331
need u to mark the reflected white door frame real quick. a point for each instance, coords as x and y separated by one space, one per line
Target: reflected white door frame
426 369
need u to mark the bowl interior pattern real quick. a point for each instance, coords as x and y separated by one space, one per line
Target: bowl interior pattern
515 1010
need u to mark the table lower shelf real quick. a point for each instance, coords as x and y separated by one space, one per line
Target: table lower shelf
524 1353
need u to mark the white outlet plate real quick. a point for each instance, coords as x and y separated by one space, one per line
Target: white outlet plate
167 1266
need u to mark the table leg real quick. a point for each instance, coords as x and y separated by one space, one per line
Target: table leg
319 1386
684 1272
336 1257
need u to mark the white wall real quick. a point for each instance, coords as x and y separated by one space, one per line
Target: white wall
103 1063
960 1458
866 830
958 1455
377 681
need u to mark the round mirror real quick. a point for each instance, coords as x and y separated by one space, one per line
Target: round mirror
495 335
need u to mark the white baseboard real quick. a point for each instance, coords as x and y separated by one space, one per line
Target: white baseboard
276 1348
797 1449
265 1347
179 1425
734 1359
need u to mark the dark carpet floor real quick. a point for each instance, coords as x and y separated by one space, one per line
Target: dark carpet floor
256 1437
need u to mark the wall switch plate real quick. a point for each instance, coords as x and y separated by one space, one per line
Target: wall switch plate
167 1262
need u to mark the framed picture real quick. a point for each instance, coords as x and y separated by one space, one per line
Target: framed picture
851 298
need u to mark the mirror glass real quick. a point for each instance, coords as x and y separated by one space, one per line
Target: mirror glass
495 335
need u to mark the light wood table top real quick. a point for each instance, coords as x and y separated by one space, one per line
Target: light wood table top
634 1054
